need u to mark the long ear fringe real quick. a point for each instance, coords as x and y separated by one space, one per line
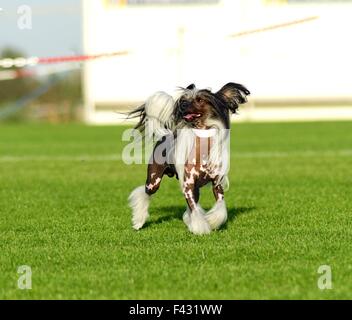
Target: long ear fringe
234 94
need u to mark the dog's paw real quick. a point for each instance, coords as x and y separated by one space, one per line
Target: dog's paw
186 217
138 225
139 219
139 203
217 216
198 224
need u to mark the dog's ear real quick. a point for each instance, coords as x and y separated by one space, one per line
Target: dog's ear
234 94
191 87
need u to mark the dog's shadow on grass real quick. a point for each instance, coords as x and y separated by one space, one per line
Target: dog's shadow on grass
236 212
176 213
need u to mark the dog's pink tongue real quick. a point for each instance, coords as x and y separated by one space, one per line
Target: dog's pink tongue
190 116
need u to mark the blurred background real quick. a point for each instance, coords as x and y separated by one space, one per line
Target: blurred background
67 66
72 60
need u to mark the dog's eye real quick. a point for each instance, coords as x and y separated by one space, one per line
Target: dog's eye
183 105
199 100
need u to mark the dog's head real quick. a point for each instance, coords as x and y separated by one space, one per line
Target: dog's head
199 108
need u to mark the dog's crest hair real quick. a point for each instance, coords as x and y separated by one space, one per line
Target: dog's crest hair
224 102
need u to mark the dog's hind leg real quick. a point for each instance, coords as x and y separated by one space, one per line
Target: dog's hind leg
217 216
139 203
140 198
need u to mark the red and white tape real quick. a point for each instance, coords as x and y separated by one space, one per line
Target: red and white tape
21 73
273 27
33 61
19 62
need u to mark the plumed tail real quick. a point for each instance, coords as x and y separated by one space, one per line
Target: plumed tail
141 114
155 116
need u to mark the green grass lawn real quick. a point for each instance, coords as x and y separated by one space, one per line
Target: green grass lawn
63 211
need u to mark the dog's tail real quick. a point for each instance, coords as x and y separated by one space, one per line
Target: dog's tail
156 115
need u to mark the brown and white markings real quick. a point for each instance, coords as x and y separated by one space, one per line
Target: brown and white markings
195 127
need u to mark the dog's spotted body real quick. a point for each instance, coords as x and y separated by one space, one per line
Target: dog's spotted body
194 160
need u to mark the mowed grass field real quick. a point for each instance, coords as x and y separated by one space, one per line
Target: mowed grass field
64 213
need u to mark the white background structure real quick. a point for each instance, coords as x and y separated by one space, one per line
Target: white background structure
174 45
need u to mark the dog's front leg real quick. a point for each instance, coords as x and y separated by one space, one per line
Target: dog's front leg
218 192
194 217
217 216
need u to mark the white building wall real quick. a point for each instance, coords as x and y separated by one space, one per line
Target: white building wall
175 45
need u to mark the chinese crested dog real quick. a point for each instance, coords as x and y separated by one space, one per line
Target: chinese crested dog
191 133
